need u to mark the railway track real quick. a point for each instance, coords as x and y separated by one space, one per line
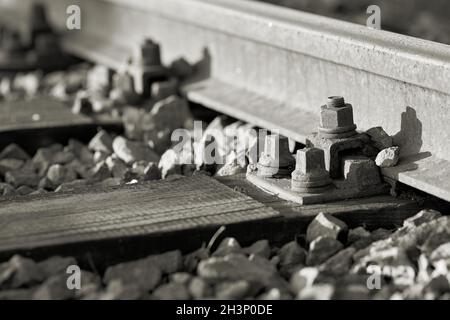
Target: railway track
310 57
267 66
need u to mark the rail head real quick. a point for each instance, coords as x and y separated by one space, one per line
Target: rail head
417 61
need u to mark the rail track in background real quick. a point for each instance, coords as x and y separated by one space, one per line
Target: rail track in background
271 67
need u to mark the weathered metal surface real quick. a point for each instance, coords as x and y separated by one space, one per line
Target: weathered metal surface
150 208
289 58
45 113
339 190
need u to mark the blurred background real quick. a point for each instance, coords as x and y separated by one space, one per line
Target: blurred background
427 19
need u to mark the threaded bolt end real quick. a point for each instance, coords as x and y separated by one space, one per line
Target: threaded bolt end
335 101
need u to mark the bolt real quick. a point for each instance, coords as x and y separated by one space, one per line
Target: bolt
335 101
275 160
310 175
148 53
146 66
336 119
38 22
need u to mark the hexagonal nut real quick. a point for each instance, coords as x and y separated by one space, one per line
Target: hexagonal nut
148 52
310 159
333 117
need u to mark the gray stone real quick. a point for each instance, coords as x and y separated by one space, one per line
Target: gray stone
56 265
388 157
101 104
151 172
442 252
361 171
380 139
131 151
54 288
233 290
169 164
171 113
82 103
82 170
168 262
389 256
13 151
322 248
434 240
80 151
6 189
102 142
317 292
230 169
237 267
422 216
303 278
100 172
10 164
122 290
291 254
100 156
58 174
123 92
43 159
199 289
90 284
17 294
325 225
19 178
108 183
340 263
99 79
260 247
18 272
227 246
352 292
75 185
141 272
24 190
181 277
39 191
357 234
171 291
63 157
192 259
117 167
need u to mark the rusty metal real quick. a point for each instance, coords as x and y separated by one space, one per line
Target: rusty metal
336 119
146 66
275 160
255 58
310 175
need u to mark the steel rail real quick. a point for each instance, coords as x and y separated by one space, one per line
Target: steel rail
273 67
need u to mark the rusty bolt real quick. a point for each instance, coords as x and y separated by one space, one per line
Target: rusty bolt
148 53
146 66
275 160
38 22
310 175
336 119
